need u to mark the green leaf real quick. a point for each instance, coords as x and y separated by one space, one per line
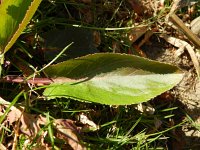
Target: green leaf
14 16
114 79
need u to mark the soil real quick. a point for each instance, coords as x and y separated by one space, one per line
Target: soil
187 91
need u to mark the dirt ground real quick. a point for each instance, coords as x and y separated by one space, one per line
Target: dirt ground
187 91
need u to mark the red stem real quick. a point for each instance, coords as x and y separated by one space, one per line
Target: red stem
17 79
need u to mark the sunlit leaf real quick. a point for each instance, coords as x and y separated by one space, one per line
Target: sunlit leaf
115 79
14 16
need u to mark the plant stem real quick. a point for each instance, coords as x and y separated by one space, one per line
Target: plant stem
17 79
1 63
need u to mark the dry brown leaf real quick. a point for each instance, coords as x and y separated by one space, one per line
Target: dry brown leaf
146 109
180 44
88 124
2 110
2 147
136 33
14 115
41 143
162 3
137 6
195 26
139 50
178 4
86 1
157 123
188 33
147 35
87 15
68 131
96 38
30 124
116 47
142 8
42 148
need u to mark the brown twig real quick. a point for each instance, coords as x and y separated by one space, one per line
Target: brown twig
179 23
39 81
17 79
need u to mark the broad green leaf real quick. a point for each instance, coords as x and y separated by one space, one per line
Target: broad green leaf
14 16
114 79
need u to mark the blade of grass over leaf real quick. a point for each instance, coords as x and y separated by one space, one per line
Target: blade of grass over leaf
10 105
114 79
51 62
50 130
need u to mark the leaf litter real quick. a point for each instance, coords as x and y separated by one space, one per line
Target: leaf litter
30 125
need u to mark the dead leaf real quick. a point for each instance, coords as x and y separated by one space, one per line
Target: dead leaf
142 8
68 131
88 124
139 50
147 35
13 115
180 44
88 15
188 33
116 47
178 4
136 33
195 26
146 109
2 147
157 123
86 1
2 110
30 124
96 38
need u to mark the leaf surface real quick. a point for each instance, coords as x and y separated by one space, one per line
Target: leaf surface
114 79
14 16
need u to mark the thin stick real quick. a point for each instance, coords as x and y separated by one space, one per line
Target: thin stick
39 81
179 23
17 79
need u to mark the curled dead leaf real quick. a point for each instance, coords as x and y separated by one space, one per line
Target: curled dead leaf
146 109
89 125
136 33
142 8
30 124
183 44
195 26
68 131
